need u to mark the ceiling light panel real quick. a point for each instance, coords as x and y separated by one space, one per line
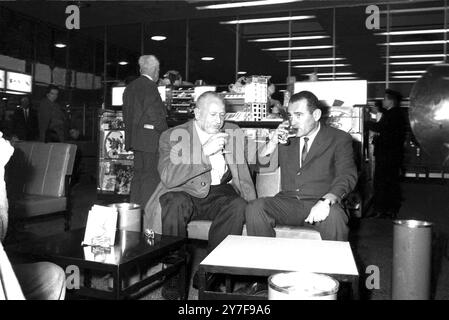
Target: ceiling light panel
408 32
312 59
412 43
321 65
407 77
338 78
331 73
402 63
289 38
264 20
408 71
413 56
298 48
246 4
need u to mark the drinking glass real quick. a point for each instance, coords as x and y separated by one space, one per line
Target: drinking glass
223 151
291 132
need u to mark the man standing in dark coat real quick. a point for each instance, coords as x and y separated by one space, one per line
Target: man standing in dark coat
145 119
25 121
388 153
52 118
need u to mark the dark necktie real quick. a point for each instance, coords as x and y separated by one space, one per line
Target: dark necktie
304 151
25 111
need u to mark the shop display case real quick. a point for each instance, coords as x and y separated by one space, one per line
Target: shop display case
180 100
115 164
248 100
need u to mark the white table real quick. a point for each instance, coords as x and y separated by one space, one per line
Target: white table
263 256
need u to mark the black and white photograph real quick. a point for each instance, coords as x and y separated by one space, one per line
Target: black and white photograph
243 151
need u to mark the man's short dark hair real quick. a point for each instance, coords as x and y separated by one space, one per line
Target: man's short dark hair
312 101
51 87
395 96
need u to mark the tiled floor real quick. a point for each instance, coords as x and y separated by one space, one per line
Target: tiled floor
371 239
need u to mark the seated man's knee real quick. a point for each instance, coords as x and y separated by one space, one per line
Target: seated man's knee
338 215
253 208
174 198
56 280
41 281
237 207
239 204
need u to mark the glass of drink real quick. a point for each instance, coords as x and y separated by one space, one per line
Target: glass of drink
223 151
290 132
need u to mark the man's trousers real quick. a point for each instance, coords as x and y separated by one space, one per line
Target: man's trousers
222 205
263 214
145 178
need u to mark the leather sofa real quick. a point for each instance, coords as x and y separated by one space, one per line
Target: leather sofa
267 184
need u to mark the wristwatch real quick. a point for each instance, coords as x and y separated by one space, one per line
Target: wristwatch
326 200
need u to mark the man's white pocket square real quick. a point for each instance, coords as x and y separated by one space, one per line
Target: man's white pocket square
148 126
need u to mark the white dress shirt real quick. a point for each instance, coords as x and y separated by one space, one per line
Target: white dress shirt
217 160
311 137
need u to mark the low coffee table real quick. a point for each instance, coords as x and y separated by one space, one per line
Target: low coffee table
131 250
263 256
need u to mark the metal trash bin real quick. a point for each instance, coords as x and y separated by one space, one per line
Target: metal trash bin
129 216
412 248
302 286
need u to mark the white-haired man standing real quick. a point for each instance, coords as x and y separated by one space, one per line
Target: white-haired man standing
145 119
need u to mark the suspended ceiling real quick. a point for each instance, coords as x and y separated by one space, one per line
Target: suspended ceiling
361 49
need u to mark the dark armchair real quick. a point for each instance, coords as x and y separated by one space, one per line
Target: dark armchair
38 180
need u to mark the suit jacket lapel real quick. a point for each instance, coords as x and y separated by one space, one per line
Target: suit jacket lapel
195 144
320 143
230 157
230 161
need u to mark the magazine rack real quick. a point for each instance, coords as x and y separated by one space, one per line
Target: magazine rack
115 164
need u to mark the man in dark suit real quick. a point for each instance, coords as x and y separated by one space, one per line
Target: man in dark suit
52 118
25 121
144 115
389 153
317 171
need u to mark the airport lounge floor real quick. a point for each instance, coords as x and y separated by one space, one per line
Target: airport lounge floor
371 239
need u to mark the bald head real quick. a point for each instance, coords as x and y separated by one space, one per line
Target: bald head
207 96
149 65
210 112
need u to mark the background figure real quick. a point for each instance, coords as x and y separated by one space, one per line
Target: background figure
274 105
25 123
144 115
52 118
388 153
38 281
173 78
